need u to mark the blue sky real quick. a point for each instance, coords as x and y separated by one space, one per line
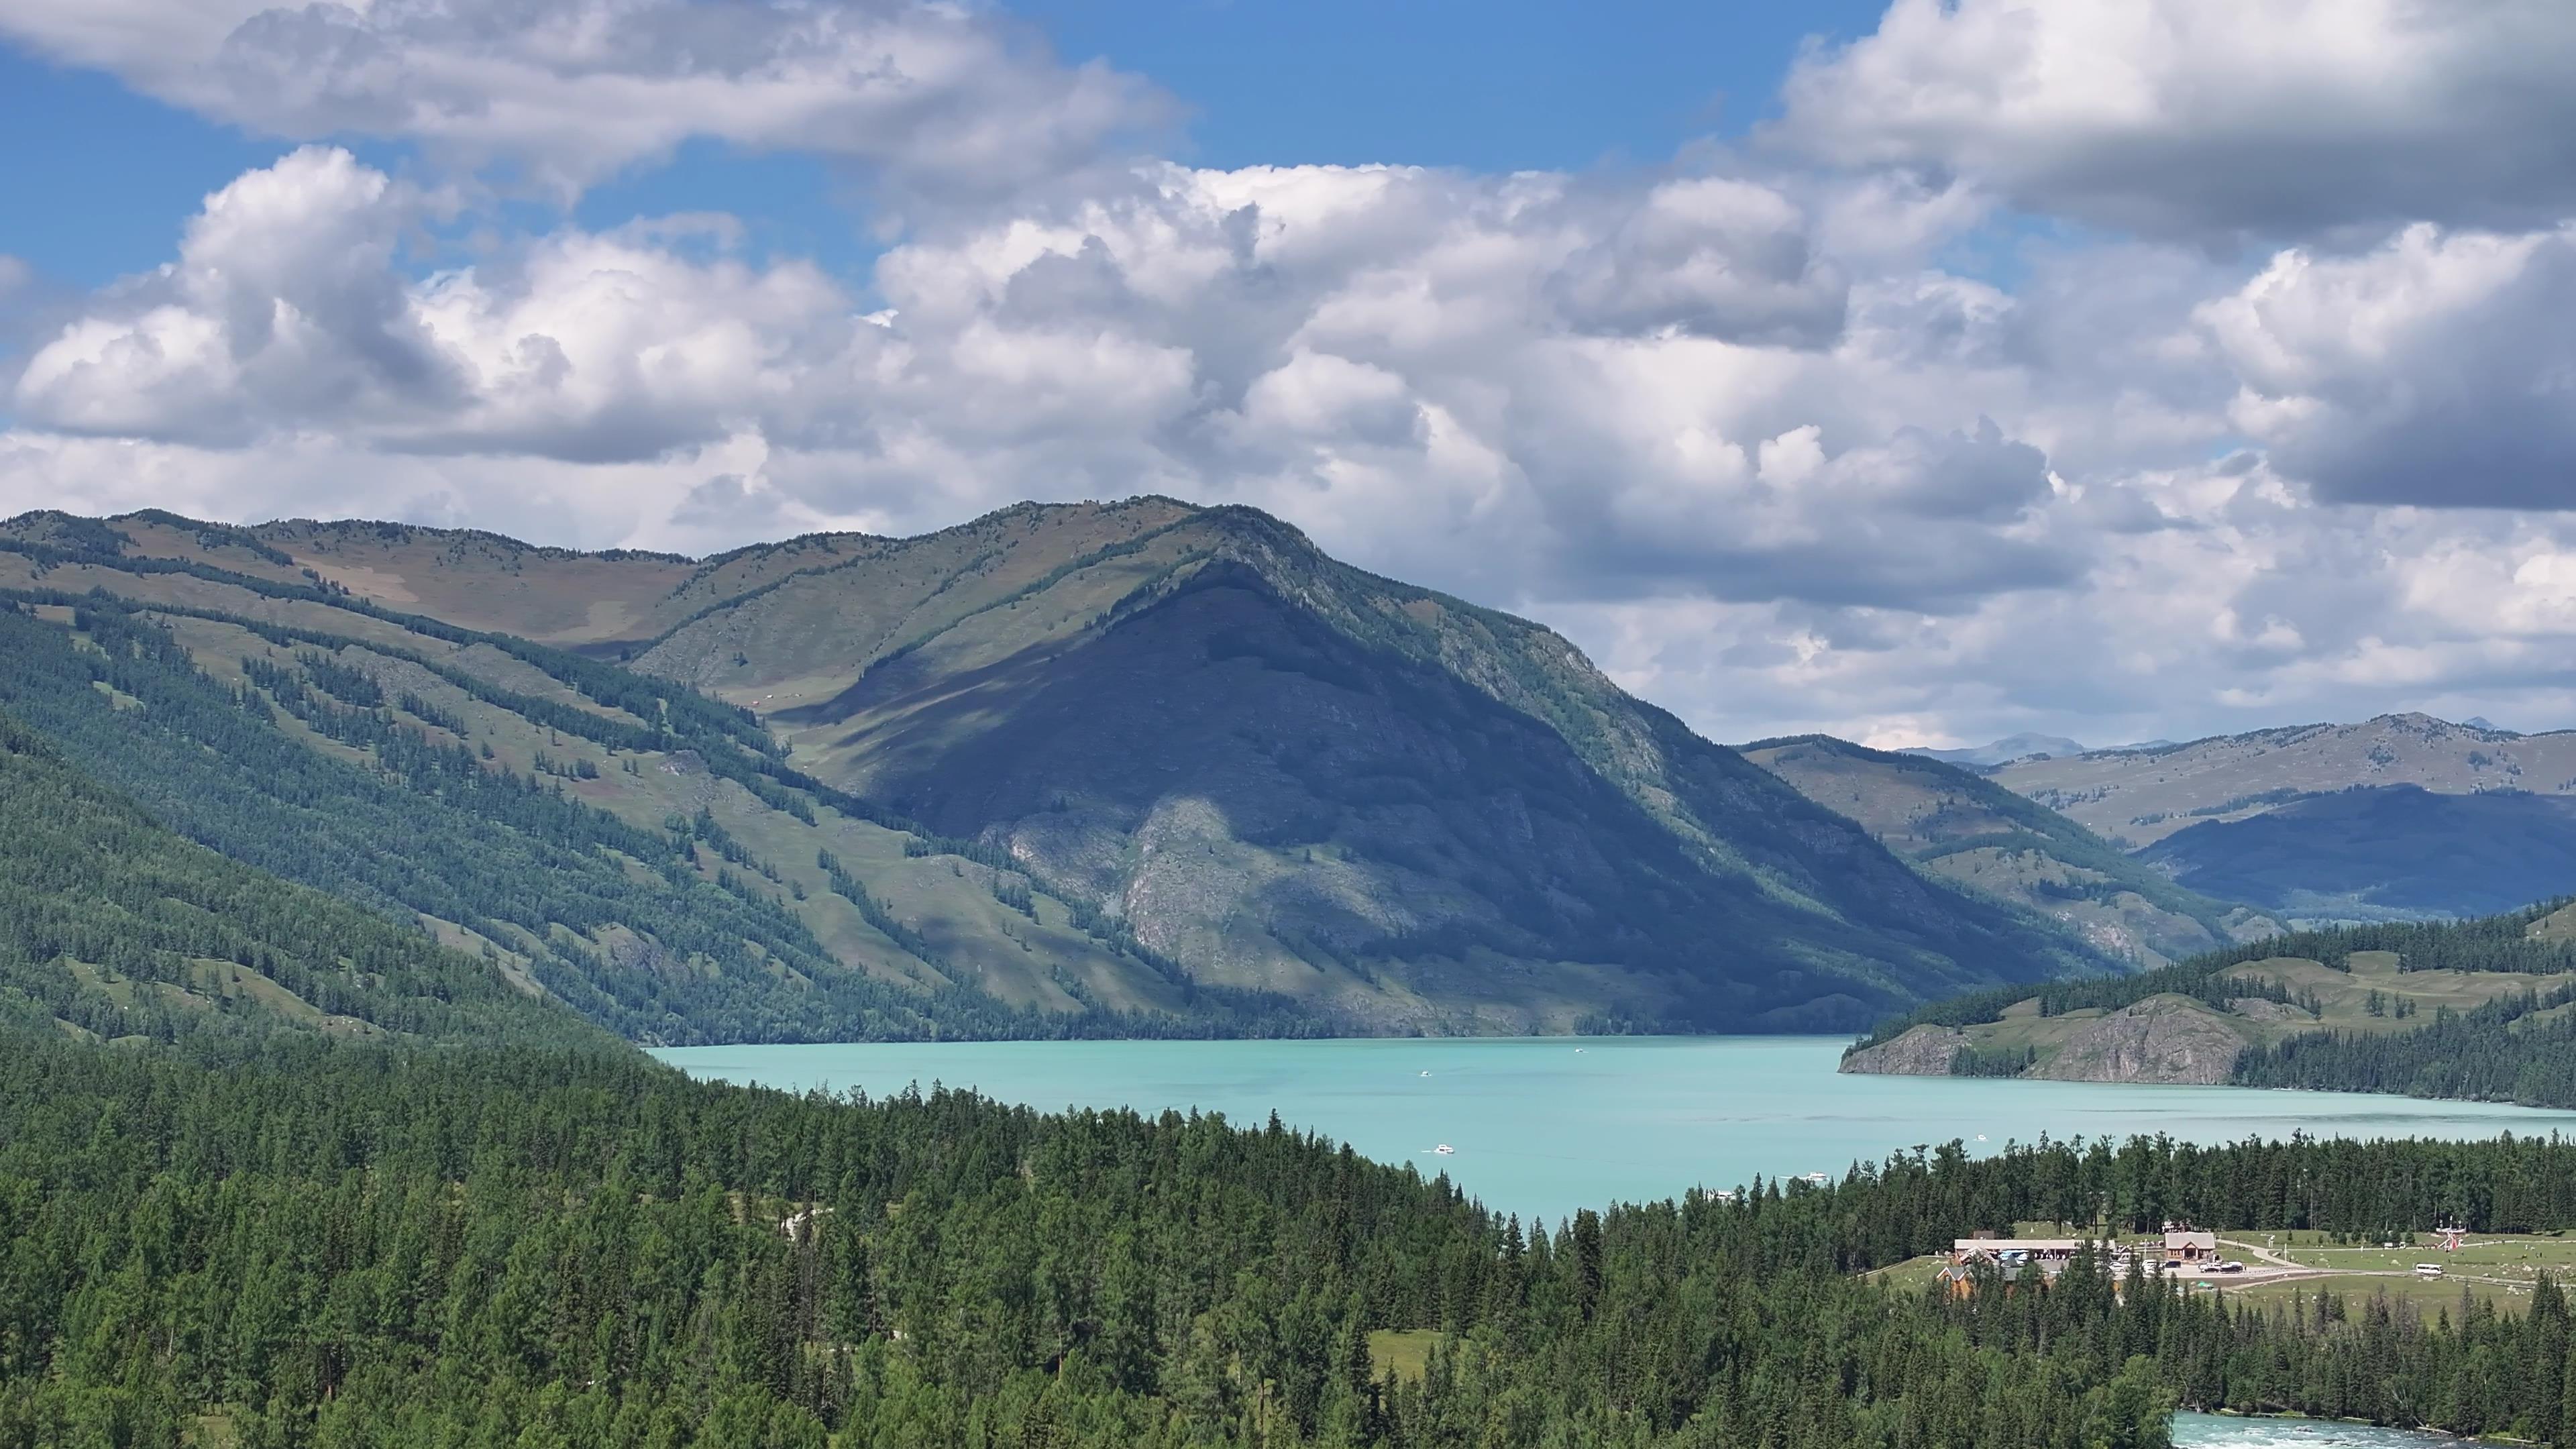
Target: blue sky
1921 371
1487 86
101 177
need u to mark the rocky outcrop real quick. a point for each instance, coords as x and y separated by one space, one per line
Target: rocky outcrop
2164 1040
1922 1051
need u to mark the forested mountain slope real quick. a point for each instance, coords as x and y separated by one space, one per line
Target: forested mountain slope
2482 1010
1953 824
650 874
1109 769
113 928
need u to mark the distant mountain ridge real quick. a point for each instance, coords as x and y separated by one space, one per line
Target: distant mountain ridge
1954 824
1081 769
2399 816
2144 793
2002 751
2383 852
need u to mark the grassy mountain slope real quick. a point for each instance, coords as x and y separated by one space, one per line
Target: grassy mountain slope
114 927
2138 797
2312 1008
2382 852
620 840
1120 768
1969 830
1305 778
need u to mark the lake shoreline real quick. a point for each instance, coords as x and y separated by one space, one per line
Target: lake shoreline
1545 1125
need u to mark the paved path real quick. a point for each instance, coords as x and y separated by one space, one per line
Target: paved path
2266 1254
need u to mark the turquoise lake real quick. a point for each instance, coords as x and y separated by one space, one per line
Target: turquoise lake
1544 1125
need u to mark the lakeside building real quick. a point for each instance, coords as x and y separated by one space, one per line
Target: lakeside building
2187 1248
2009 1259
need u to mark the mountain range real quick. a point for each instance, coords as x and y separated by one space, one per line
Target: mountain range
2003 751
1115 769
1143 767
2402 816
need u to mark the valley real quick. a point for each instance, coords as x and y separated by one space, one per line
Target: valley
1677 700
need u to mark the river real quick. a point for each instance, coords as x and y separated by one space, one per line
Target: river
1543 1125
2210 1431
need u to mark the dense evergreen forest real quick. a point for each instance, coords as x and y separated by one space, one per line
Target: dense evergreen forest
112 927
2520 1049
359 1244
311 1193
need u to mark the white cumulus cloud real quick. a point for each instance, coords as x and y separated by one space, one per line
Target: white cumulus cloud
945 101
2437 369
1788 446
2192 117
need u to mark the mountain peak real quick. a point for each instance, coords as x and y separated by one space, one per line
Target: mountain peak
1100 756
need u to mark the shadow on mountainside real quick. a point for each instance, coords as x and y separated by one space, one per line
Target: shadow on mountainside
1258 791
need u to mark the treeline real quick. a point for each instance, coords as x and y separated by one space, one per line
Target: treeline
1213 1010
2492 943
354 1245
2504 1050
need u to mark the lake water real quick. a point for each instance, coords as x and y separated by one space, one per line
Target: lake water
2209 1431
1544 1125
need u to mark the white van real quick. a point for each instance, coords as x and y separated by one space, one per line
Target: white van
2428 1270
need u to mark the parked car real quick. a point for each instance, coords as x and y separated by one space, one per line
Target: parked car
2231 1266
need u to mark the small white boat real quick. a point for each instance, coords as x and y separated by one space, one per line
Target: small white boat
1445 1150
1426 1074
1981 1137
1818 1177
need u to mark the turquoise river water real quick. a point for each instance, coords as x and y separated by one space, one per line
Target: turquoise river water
1544 1125
2208 1431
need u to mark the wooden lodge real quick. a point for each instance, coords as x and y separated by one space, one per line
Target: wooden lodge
2009 1259
2010 1250
2185 1248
